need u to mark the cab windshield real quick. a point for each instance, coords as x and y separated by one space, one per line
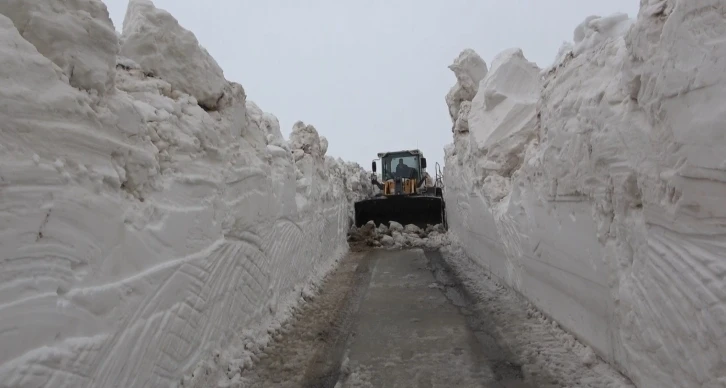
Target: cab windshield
400 166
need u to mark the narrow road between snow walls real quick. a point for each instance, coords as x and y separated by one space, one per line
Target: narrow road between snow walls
416 318
158 230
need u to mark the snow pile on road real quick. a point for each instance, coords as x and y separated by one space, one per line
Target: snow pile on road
151 217
396 236
597 189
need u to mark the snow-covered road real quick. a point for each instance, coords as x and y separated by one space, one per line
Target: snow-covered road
408 318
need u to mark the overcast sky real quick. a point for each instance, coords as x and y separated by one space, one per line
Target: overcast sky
370 75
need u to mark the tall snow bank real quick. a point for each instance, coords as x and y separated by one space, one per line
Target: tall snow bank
140 235
609 216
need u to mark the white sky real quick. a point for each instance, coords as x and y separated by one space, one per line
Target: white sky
371 76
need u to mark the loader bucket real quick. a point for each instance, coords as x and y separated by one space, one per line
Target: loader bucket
419 210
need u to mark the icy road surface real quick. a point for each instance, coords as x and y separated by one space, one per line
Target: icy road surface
403 319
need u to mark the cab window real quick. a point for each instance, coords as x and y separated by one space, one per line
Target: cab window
400 166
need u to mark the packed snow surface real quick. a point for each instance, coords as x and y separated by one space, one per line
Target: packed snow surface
596 187
151 217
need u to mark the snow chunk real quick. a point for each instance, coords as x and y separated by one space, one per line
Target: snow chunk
267 123
592 33
469 69
323 145
399 238
502 120
494 129
305 138
394 226
596 30
387 240
155 40
411 228
78 36
461 125
506 104
127 63
264 124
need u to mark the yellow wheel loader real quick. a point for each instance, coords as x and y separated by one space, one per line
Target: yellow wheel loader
404 196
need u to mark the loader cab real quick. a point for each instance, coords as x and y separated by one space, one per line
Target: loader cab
402 164
402 197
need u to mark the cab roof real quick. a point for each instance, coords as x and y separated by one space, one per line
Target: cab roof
396 153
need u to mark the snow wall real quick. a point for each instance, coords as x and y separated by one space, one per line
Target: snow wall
152 219
595 188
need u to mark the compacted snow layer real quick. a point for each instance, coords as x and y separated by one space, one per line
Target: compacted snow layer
140 229
595 187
